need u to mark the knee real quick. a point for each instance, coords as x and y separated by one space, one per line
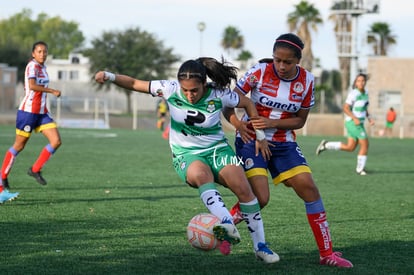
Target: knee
198 177
19 146
244 194
263 203
263 199
56 144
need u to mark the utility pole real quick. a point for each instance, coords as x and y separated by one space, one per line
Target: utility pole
201 26
347 13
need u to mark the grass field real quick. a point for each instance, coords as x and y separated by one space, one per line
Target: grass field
114 205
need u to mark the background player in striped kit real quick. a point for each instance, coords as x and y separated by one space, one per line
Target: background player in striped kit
356 112
283 93
34 115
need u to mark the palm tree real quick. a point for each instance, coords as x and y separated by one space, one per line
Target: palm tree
380 37
244 57
232 39
305 16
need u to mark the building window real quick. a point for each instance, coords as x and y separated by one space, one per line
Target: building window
74 75
75 60
388 99
62 75
7 78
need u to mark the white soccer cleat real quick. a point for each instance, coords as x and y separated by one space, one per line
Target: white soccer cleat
227 232
266 255
362 172
321 147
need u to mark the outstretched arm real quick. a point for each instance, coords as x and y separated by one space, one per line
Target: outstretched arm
123 81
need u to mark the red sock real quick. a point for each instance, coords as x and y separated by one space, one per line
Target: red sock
320 229
166 132
42 159
7 163
235 209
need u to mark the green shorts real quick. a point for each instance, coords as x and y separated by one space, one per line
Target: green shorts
355 131
389 124
216 158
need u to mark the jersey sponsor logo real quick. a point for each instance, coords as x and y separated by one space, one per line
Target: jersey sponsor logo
194 117
270 90
275 104
42 82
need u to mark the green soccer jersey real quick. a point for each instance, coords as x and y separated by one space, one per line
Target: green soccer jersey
195 127
359 104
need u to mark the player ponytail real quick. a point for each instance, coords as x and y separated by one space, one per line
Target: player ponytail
221 73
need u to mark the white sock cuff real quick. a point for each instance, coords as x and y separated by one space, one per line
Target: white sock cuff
333 145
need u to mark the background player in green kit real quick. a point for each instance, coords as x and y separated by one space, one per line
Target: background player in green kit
202 156
356 111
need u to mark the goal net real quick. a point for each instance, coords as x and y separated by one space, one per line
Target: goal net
73 112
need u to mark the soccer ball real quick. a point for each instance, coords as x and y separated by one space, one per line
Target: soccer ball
200 231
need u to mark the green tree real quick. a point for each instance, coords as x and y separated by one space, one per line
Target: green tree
20 31
330 84
244 57
133 52
304 17
232 40
381 38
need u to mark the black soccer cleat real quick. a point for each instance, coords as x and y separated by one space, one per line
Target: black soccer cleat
37 176
5 183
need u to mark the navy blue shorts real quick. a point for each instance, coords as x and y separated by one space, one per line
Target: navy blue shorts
286 161
27 122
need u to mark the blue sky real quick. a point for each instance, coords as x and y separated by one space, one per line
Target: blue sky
175 23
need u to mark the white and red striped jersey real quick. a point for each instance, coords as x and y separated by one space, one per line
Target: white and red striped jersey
276 98
35 101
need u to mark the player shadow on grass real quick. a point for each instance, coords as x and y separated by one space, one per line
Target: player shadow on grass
104 245
24 201
385 171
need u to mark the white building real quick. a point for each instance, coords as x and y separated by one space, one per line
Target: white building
73 78
81 103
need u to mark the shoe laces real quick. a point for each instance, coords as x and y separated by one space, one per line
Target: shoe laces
263 248
226 220
334 258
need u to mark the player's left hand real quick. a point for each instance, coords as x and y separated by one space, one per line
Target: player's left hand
246 133
262 146
56 93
